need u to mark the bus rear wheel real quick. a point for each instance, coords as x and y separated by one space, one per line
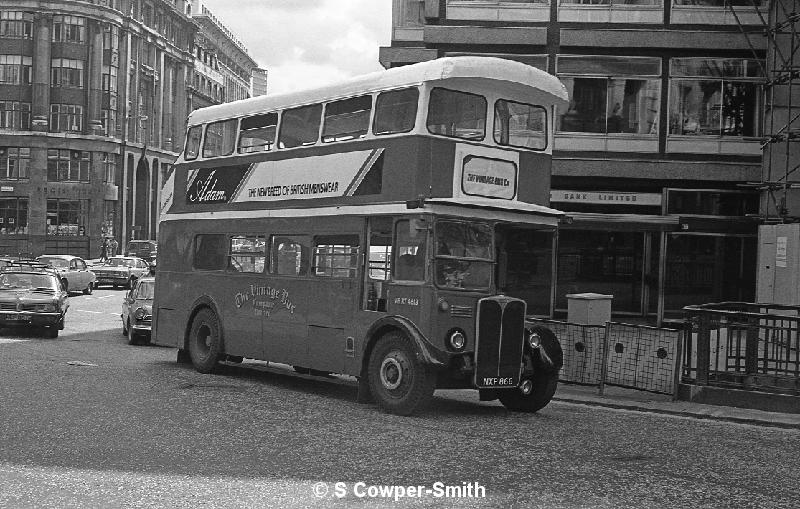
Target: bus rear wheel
205 341
399 382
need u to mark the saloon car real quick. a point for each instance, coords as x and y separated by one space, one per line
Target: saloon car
31 295
121 271
137 311
73 272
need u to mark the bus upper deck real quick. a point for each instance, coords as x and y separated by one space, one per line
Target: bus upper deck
459 127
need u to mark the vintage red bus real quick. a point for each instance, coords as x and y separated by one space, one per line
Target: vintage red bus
393 227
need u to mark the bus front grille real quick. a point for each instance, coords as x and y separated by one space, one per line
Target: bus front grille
499 342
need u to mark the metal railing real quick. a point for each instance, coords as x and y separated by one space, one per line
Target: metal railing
743 345
625 355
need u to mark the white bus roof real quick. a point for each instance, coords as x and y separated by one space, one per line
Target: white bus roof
489 68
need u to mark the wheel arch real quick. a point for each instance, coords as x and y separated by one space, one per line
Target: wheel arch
426 352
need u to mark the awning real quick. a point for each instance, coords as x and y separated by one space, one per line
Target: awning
619 222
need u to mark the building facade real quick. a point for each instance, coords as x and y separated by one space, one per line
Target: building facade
94 97
656 155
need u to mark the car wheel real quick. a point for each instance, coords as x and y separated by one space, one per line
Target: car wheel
51 332
399 382
65 285
205 341
124 328
89 289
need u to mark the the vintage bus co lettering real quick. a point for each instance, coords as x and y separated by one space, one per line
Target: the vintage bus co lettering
264 299
295 189
488 179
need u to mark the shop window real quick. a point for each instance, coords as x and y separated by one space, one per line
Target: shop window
67 217
15 163
457 114
13 216
715 97
611 94
708 202
247 253
395 111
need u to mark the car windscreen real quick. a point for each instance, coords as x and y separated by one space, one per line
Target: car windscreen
145 290
15 281
121 262
58 263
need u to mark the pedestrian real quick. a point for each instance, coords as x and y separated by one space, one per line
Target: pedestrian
113 245
104 251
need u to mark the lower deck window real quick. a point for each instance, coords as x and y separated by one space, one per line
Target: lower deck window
247 253
335 255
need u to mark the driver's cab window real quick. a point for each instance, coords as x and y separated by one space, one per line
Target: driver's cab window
410 250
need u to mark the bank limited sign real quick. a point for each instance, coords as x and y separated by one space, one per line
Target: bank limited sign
605 198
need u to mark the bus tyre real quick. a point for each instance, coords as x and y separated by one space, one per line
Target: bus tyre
544 387
399 382
205 341
547 362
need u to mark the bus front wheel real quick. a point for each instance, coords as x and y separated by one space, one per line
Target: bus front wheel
543 387
399 382
205 341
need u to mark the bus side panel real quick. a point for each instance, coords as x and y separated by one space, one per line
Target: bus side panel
534 178
168 321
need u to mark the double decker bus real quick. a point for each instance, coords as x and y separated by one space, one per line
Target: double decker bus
392 227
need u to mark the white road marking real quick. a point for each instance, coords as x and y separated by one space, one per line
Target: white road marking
8 340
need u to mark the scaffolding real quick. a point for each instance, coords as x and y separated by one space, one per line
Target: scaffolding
779 185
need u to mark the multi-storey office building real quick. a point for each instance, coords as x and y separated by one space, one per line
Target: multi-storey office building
93 107
222 66
654 153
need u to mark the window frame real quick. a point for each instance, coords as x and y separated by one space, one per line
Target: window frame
376 110
254 255
269 145
455 91
351 135
545 124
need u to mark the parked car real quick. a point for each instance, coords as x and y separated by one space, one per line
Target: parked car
144 249
73 271
121 271
137 311
31 295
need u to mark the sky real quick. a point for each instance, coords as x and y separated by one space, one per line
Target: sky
308 43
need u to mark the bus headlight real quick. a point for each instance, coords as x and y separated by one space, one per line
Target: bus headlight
534 340
456 339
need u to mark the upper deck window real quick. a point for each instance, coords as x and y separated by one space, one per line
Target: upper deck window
395 111
347 119
520 125
193 142
300 126
457 114
220 138
258 133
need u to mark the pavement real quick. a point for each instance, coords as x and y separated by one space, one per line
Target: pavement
642 401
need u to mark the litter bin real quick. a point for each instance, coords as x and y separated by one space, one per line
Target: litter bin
589 308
